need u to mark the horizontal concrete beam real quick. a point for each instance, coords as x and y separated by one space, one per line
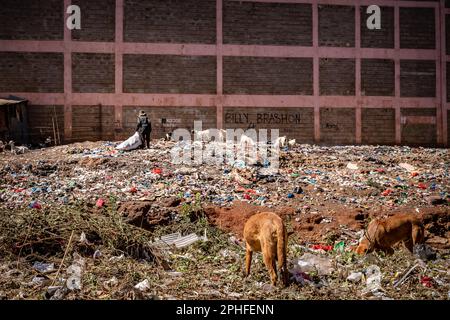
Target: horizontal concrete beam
387 3
206 100
211 50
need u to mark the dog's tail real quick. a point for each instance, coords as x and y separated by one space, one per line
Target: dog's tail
281 252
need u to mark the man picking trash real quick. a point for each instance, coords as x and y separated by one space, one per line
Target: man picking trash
144 127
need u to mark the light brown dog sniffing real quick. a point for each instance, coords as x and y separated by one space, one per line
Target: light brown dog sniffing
265 232
383 234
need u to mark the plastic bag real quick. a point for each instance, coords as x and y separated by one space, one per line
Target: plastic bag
131 143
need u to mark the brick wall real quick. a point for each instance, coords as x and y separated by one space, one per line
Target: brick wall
31 20
92 123
296 123
92 72
97 20
417 28
173 21
244 23
378 126
447 33
167 119
336 26
31 72
337 77
267 23
417 78
263 75
377 77
418 134
448 125
40 122
337 125
169 74
448 82
378 38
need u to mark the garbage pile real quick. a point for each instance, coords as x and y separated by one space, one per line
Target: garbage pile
360 176
90 221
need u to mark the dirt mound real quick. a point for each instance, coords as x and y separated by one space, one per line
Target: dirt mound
93 162
232 219
170 202
141 214
310 226
321 226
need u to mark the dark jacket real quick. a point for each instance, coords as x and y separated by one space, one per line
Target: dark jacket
143 125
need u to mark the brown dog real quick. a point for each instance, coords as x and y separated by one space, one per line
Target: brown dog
265 232
382 234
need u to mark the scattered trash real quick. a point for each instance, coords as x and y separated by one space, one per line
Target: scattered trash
143 285
174 273
426 281
97 254
157 171
373 279
407 167
52 290
403 279
300 277
111 282
44 267
234 295
37 281
352 166
323 183
297 190
422 186
425 252
75 272
175 239
100 203
35 205
355 277
133 190
310 262
321 247
339 247
131 143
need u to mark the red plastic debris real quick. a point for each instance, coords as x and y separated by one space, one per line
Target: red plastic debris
414 174
386 192
157 171
133 190
247 196
426 281
422 186
321 247
35 205
381 170
100 203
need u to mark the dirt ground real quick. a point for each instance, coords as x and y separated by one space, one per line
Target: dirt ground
90 208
